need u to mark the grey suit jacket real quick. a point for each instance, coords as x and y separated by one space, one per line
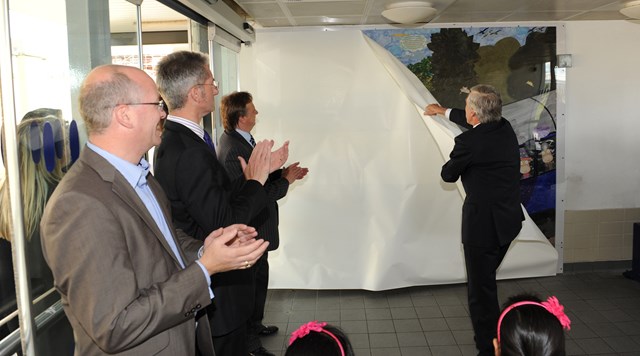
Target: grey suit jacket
121 285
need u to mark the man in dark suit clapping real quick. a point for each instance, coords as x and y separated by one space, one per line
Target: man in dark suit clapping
239 117
202 196
486 158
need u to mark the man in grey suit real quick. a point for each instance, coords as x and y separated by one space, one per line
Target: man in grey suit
486 158
130 283
239 114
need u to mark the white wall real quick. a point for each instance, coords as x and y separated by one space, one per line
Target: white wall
603 115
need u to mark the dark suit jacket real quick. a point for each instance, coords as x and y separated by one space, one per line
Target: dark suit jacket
232 145
122 287
203 199
487 159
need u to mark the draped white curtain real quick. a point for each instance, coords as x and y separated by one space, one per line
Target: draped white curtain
373 212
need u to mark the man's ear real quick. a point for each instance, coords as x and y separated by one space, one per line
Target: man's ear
496 347
195 94
121 114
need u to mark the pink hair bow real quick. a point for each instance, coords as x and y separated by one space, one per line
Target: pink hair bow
305 329
554 307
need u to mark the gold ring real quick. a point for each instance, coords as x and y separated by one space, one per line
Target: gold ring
247 264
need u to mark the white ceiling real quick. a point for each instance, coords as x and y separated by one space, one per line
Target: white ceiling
287 13
280 13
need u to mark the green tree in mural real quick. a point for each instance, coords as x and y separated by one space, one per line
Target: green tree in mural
423 71
529 65
452 63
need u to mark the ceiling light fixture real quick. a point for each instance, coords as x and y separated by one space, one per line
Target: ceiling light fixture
409 12
631 9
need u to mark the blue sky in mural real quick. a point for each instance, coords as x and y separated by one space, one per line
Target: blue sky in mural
410 45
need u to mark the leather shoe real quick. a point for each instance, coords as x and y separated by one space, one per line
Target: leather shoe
261 351
268 330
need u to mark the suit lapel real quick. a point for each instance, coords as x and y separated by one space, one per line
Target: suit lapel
127 194
236 135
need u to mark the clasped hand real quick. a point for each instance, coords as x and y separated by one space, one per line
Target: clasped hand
232 247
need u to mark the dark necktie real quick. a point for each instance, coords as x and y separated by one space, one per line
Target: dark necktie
252 141
207 139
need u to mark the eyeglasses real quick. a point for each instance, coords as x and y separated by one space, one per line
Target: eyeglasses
160 104
215 83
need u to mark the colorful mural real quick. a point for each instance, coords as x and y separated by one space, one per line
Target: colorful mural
519 62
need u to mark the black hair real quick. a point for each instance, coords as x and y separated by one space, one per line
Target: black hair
530 330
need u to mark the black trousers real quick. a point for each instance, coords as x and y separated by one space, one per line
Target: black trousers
233 343
261 269
481 264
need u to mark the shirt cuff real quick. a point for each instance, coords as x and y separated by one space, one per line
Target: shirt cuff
447 113
206 277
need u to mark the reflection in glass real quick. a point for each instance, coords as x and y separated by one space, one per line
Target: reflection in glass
37 183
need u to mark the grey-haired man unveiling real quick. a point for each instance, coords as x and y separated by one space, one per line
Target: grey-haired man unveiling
486 158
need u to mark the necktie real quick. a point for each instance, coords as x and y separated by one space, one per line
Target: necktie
252 141
207 139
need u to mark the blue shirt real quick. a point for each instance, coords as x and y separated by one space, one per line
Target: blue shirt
136 175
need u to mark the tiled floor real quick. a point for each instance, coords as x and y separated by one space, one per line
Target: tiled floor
434 320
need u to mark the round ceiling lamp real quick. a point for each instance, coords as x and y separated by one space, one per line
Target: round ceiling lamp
631 9
409 12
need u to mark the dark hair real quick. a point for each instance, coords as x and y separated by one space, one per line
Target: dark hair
232 107
321 344
530 330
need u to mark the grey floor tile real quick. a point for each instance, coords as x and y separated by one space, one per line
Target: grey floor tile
328 315
415 351
379 301
629 327
396 300
464 337
434 320
440 338
445 350
359 341
380 326
459 323
622 344
351 302
453 311
573 348
412 339
354 326
580 331
605 329
302 316
447 300
407 325
434 324
428 312
468 350
385 351
426 301
378 314
352 314
383 340
403 313
275 317
594 346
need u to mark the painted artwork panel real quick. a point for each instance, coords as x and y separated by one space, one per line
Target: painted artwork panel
519 61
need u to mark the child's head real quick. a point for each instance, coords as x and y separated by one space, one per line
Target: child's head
319 339
530 327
